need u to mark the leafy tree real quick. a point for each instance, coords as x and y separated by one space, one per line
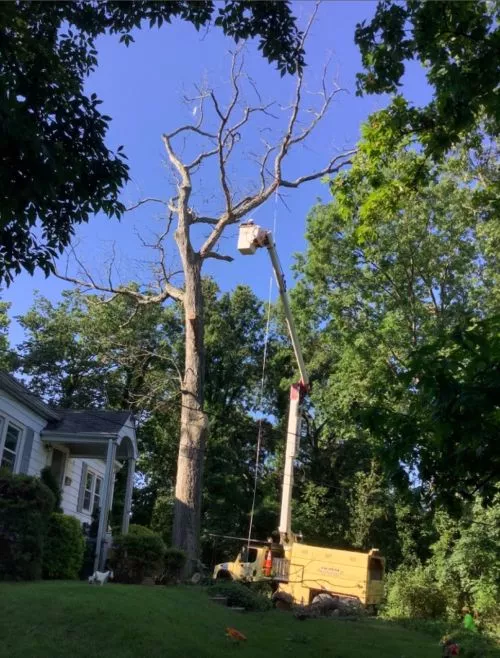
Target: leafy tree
83 351
457 43
455 410
390 267
55 168
6 356
462 568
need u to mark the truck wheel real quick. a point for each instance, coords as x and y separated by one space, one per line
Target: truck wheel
282 600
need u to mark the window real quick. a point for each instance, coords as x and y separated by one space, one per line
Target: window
375 569
10 444
248 554
92 492
97 495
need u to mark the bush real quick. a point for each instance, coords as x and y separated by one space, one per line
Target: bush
48 478
25 507
241 596
64 548
413 592
142 530
174 562
137 555
474 645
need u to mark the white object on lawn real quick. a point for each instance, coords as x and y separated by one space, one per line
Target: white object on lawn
100 577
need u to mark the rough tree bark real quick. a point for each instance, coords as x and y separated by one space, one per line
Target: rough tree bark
230 120
194 425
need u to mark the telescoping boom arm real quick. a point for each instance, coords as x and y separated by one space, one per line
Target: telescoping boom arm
251 237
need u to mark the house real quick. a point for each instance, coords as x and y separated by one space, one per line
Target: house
83 448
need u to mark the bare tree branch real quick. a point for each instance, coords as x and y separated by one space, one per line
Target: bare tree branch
217 256
169 291
143 201
334 166
205 220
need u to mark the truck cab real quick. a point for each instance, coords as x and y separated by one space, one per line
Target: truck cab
248 565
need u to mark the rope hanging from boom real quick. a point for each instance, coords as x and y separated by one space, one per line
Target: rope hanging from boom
262 384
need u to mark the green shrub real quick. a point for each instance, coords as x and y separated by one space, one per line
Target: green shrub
142 530
413 592
241 596
262 588
64 548
173 562
48 478
474 645
25 507
137 555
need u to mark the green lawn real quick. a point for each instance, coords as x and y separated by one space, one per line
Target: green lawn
69 620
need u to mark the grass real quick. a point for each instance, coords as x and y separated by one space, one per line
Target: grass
72 619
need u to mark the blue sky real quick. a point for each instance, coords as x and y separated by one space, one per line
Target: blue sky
142 89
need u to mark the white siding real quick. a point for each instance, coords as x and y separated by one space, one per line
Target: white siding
40 456
70 492
15 411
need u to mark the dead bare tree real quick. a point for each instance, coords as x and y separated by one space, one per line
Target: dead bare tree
230 119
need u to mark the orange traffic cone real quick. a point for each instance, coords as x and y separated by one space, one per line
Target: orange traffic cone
268 563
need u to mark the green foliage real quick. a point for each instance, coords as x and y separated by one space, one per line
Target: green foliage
25 508
457 43
64 547
457 405
466 559
82 353
413 593
174 561
241 596
137 555
391 267
142 531
50 481
7 358
56 164
463 569
472 645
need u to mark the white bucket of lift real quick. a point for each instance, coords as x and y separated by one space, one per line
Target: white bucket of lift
249 238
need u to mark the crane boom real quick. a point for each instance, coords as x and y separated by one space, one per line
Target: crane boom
251 237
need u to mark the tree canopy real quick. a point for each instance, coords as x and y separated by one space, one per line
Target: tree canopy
398 295
457 43
55 168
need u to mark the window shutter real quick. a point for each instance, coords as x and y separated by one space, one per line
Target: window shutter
81 493
29 436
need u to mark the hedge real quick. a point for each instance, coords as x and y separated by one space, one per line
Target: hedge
64 548
137 555
25 508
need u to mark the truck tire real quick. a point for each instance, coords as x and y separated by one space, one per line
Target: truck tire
282 600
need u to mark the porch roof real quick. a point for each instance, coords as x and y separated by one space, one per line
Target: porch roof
87 432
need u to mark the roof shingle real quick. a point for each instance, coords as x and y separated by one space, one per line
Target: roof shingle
84 421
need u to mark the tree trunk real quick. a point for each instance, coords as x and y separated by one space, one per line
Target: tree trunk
194 424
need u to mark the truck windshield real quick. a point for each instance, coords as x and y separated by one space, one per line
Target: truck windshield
248 554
